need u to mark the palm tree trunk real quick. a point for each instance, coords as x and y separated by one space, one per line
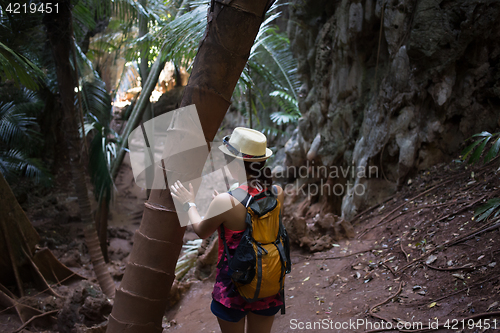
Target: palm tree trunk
249 105
60 33
102 226
137 112
143 294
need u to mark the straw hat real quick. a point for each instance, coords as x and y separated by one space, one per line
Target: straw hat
246 144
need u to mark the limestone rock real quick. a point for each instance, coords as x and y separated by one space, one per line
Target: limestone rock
436 72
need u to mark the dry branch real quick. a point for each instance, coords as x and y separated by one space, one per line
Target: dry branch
403 204
34 318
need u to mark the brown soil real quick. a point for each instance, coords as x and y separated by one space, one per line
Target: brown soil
377 277
381 276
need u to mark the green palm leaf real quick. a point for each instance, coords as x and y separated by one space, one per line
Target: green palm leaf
96 104
476 149
484 211
182 35
493 152
16 67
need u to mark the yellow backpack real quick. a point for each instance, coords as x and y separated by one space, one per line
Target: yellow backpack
262 257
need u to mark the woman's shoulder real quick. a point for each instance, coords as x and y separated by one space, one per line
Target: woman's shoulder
225 201
222 198
280 194
277 190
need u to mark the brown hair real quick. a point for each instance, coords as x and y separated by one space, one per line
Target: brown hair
256 172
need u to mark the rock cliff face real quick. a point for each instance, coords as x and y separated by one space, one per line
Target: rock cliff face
390 88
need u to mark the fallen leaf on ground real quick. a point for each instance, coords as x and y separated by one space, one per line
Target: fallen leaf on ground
431 259
492 305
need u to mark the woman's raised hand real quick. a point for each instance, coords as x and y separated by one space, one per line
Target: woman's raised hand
180 193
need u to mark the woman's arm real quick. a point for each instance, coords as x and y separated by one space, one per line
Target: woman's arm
281 196
215 214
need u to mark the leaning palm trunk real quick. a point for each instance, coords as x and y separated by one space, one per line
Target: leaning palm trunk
59 32
138 111
143 294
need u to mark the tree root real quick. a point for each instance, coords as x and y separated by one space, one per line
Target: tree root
451 268
371 313
341 257
403 204
403 249
34 318
455 293
454 242
355 218
441 183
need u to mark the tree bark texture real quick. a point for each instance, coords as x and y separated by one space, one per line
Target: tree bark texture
16 233
60 34
143 294
137 112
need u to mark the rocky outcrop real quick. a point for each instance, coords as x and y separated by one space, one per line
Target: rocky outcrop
391 87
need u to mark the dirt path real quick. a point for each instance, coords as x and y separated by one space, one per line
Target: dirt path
335 290
316 289
354 286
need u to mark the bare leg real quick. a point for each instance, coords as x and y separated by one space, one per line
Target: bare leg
230 327
259 324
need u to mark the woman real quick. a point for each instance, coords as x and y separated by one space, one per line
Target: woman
231 309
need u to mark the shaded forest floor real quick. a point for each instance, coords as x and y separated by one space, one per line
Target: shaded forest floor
418 259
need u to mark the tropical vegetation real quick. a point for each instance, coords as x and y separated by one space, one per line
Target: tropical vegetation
41 112
473 153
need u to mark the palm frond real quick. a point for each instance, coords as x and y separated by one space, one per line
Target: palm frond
278 48
484 211
290 108
281 118
15 163
16 67
99 165
85 66
182 35
474 151
188 258
83 19
96 102
129 10
15 126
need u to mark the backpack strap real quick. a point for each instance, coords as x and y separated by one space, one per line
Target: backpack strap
242 196
282 293
226 248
